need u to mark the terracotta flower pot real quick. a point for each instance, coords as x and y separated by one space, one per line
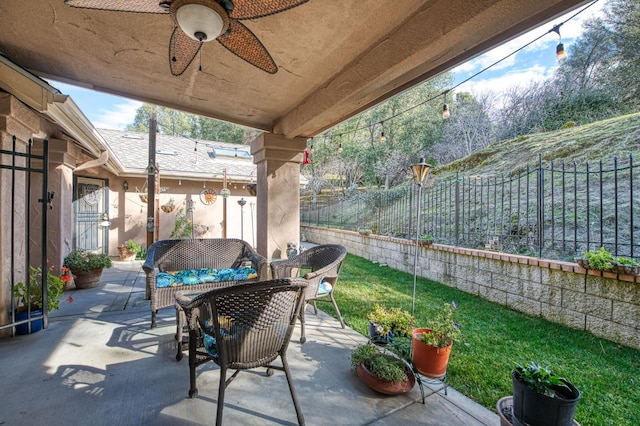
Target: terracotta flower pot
382 386
430 361
126 254
87 279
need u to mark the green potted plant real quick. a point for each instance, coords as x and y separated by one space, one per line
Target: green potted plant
627 266
129 250
86 267
541 398
425 240
431 346
600 259
29 300
382 371
385 323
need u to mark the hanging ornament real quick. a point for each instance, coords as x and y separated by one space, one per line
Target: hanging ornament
306 160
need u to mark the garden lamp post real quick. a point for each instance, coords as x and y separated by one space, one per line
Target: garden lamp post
241 203
420 172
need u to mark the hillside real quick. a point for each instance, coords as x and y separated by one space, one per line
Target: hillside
605 139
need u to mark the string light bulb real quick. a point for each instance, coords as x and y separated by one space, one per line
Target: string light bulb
311 150
445 108
383 138
340 147
561 55
445 111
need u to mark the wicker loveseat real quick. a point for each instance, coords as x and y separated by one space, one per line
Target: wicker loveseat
209 255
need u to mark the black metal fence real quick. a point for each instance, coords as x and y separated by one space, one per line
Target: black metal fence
555 210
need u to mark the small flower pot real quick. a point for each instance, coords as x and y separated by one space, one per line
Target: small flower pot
377 338
126 254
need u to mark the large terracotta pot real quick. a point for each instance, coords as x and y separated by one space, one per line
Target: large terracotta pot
87 279
382 386
430 361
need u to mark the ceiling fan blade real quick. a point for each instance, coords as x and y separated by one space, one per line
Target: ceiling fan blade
252 9
141 6
182 50
244 44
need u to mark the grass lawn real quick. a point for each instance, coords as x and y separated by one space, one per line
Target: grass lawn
496 338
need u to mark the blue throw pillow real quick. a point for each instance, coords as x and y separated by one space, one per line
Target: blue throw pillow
324 287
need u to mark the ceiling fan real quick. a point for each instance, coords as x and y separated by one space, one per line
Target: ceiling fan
200 21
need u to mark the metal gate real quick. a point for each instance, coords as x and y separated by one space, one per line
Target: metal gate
23 235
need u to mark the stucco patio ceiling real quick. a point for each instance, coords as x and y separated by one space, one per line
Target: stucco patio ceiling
336 58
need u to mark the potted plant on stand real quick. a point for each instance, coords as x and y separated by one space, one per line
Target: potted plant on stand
86 267
382 371
385 323
431 347
540 398
129 250
29 297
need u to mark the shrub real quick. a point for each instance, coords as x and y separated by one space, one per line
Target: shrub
83 260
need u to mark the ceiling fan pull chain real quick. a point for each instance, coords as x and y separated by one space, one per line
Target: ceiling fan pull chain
200 57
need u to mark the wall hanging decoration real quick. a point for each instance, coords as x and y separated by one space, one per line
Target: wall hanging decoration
208 196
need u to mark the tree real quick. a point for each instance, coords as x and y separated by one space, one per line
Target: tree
467 130
623 17
173 122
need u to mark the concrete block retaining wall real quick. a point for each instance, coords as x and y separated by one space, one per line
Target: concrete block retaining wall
603 303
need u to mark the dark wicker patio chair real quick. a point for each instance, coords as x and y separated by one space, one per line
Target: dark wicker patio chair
242 327
320 265
187 254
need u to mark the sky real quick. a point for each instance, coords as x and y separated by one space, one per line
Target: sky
534 63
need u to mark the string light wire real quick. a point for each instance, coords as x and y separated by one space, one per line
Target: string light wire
555 29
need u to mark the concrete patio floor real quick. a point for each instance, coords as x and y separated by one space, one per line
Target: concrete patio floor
99 363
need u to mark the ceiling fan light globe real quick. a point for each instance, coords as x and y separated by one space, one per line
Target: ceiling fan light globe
199 22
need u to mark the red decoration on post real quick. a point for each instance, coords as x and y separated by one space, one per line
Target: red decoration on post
307 160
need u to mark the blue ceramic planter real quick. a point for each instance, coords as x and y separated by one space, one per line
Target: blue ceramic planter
36 325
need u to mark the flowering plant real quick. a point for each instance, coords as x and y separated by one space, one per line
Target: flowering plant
391 320
444 330
31 294
82 260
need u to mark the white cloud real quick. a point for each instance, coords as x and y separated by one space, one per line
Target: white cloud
117 116
547 41
506 81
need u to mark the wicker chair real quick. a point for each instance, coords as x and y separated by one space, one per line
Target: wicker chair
242 327
175 255
320 265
